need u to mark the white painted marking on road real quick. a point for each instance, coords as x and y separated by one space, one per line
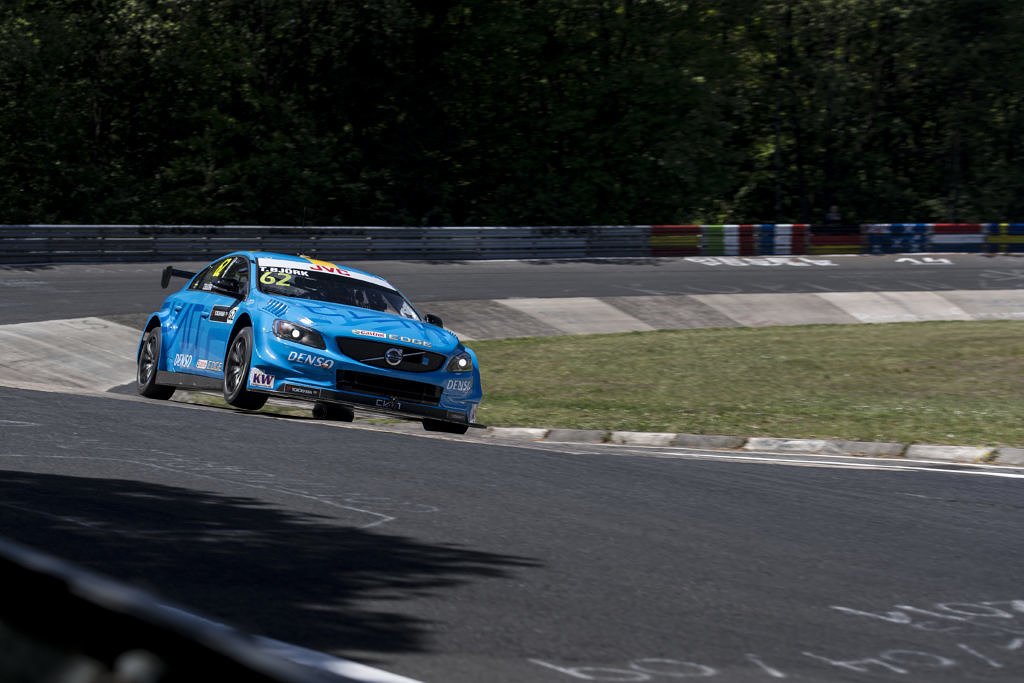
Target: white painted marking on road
774 673
188 467
988 660
18 423
808 460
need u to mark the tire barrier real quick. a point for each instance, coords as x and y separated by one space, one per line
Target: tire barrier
959 237
35 244
897 238
835 239
1005 237
675 240
728 240
782 238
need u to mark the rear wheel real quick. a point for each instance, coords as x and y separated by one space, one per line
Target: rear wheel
446 427
149 359
333 411
236 373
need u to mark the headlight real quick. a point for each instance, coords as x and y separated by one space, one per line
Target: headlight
460 362
298 333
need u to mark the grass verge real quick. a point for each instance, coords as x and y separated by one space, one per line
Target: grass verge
959 383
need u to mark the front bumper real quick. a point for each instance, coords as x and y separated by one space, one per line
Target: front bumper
289 370
388 406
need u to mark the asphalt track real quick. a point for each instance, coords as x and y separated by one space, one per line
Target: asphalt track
33 293
455 559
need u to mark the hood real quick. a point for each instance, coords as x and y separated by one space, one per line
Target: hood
361 323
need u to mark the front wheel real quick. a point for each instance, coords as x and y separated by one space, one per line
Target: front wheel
236 373
446 427
149 360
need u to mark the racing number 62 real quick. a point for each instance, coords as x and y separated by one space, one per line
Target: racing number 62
280 279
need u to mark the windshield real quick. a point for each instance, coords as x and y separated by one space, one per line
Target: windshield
335 285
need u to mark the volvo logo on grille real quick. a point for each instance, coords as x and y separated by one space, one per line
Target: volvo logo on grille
393 356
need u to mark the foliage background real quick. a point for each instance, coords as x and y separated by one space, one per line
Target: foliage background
487 112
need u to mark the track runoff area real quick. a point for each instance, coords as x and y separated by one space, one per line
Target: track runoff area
437 558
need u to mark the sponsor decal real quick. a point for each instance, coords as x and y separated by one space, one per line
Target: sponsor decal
258 378
301 391
393 356
389 404
393 337
182 360
211 365
324 267
310 359
409 340
459 386
222 314
313 265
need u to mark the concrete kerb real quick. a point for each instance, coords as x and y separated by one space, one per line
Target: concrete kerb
1009 456
839 447
949 453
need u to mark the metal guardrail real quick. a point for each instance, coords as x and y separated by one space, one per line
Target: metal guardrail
83 243
35 244
61 623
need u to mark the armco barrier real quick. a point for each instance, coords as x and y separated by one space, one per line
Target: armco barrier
33 244
59 622
66 243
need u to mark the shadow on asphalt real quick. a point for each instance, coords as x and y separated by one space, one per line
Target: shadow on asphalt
294 577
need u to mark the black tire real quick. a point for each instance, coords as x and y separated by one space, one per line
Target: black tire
236 373
446 427
333 411
148 364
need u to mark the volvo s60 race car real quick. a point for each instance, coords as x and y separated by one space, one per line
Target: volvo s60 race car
259 324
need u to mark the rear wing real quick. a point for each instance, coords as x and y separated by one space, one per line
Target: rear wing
171 271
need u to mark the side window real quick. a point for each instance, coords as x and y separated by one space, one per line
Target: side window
202 279
238 270
233 268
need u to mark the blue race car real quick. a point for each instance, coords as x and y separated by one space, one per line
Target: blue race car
260 324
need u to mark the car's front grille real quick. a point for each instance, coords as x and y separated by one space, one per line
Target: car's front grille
391 387
372 353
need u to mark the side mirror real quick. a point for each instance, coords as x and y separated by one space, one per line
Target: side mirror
225 286
434 320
